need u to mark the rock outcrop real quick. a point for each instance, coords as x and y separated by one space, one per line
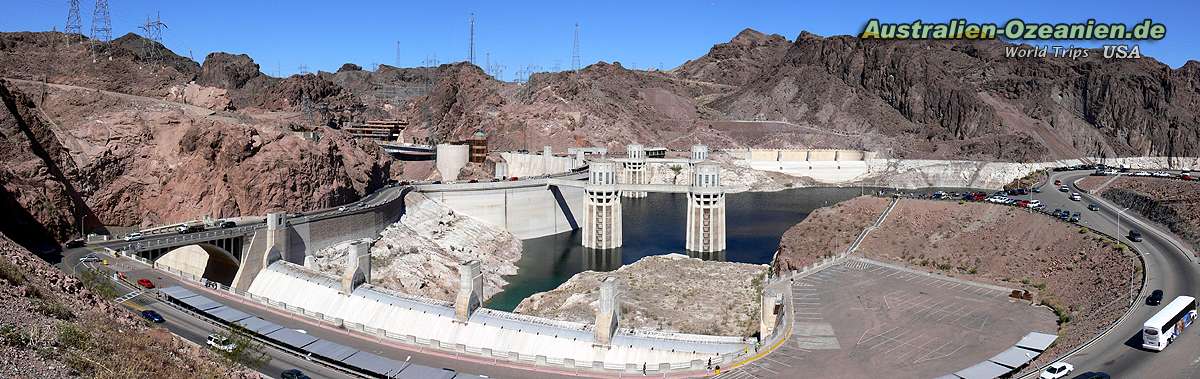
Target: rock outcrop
670 292
55 326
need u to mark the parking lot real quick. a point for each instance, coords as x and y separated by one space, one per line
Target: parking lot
860 319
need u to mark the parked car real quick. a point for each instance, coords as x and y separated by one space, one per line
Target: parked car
89 259
1135 236
133 236
153 316
1093 375
341 209
1056 212
1065 216
1057 370
1155 298
221 343
1093 207
293 374
1075 217
145 283
1034 203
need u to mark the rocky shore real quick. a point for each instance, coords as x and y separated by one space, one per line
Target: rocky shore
670 292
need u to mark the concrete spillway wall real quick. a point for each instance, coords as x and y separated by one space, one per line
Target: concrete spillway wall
526 212
308 235
525 165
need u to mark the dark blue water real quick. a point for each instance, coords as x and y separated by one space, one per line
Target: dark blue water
654 225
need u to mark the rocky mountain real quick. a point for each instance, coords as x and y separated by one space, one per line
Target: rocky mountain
83 159
911 99
121 66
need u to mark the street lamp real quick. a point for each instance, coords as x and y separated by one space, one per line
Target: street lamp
1119 223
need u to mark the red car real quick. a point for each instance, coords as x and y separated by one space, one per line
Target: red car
145 283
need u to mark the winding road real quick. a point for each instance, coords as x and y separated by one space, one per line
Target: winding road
1170 266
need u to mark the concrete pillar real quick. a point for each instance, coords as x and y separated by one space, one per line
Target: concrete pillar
276 236
451 159
580 158
547 160
706 209
769 312
608 312
501 170
470 290
635 169
358 266
602 211
699 153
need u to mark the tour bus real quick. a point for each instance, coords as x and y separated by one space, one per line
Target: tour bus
1168 323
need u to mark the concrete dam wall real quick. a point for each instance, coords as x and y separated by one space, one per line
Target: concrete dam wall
525 165
306 235
525 211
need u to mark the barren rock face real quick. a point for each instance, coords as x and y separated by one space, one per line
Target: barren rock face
664 292
134 161
1171 202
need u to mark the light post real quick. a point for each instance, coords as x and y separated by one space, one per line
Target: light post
1119 223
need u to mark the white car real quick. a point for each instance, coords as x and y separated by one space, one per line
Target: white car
133 236
1034 203
1075 196
221 343
89 259
1057 370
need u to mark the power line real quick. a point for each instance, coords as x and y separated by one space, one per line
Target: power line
575 50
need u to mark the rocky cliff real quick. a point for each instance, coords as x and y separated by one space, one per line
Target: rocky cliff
112 159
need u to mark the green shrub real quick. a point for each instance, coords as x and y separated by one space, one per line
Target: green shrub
11 273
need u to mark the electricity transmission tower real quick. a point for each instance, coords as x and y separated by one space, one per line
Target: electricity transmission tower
575 50
153 38
397 54
471 41
74 23
101 23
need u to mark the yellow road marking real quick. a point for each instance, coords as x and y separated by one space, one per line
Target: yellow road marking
763 353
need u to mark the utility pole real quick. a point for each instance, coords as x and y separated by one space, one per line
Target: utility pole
74 23
575 50
397 54
471 43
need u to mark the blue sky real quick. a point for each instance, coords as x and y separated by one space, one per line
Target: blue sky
283 35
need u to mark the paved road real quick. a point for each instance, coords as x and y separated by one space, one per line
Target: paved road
195 327
1168 267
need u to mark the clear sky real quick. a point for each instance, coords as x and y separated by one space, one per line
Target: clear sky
283 35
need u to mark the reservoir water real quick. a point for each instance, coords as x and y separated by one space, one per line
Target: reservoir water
654 225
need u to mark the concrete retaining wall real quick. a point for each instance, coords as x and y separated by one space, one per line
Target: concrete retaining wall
528 212
525 165
305 238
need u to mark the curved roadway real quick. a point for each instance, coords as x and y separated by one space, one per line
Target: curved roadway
1170 266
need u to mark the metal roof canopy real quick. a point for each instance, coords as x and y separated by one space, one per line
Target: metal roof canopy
425 372
292 338
331 350
983 370
1014 357
375 364
177 292
1037 341
227 314
258 325
947 376
201 303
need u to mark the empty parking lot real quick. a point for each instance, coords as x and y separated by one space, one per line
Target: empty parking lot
861 319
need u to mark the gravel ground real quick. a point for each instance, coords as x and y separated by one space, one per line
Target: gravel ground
1086 277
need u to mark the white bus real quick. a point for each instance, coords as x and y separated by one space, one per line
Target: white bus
1168 323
